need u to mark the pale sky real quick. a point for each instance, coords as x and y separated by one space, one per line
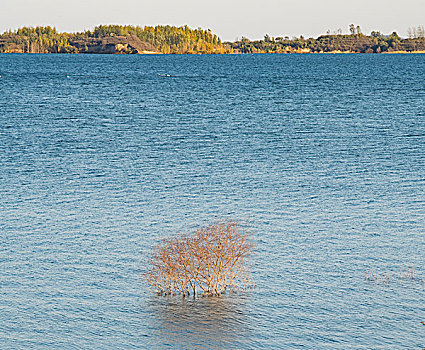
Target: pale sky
230 19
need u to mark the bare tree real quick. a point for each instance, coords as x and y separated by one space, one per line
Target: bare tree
420 32
358 30
412 32
210 261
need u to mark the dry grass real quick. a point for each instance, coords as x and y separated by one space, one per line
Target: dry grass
407 275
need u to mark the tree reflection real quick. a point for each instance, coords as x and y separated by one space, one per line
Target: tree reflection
210 322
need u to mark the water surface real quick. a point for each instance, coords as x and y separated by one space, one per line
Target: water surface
321 155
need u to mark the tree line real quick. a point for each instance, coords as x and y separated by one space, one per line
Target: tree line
356 41
161 39
185 40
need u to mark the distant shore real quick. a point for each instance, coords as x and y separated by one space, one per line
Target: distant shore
117 39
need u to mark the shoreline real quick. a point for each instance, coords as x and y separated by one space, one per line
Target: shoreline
148 40
221 54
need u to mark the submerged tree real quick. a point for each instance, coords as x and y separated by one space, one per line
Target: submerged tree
211 261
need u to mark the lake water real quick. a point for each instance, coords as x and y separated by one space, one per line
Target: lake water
322 156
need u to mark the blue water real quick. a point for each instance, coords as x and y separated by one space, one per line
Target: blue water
322 157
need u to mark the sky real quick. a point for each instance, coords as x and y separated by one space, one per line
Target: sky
230 19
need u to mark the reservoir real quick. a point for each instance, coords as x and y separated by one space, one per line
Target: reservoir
322 157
